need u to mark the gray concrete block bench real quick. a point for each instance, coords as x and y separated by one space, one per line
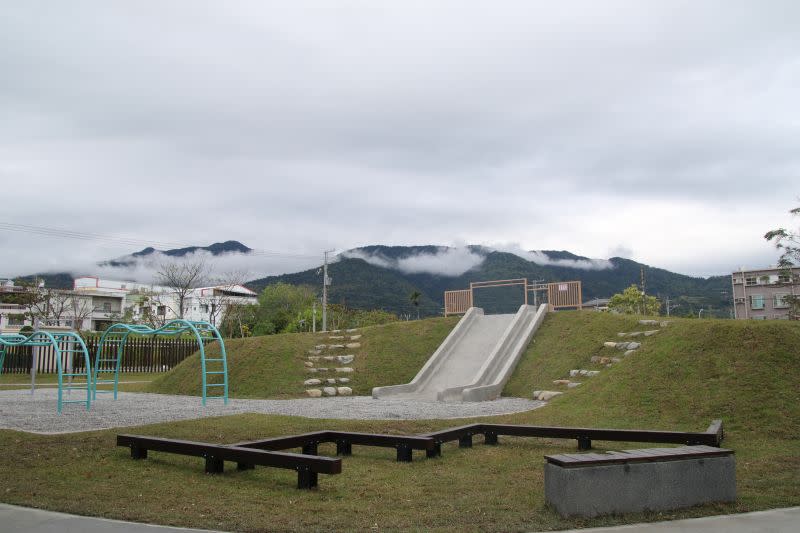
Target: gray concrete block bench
652 479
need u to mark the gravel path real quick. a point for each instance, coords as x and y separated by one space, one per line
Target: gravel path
37 414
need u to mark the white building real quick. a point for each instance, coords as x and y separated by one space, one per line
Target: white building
94 304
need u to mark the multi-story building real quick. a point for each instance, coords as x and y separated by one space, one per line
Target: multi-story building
762 294
94 304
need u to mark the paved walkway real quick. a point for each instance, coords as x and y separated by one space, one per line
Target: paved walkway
22 519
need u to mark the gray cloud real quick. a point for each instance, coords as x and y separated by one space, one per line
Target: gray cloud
669 127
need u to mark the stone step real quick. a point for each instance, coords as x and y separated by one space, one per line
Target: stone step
582 372
545 395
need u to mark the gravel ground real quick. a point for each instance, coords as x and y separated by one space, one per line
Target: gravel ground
37 414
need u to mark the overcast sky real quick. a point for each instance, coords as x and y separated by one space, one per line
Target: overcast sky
666 132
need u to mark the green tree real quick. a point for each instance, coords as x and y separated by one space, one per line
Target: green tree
788 242
281 306
632 301
414 297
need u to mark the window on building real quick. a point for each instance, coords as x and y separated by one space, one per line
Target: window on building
107 306
750 281
757 301
204 308
779 301
784 278
162 310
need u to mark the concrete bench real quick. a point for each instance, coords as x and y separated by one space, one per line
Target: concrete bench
652 479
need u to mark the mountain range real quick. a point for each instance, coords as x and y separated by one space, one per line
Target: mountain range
384 277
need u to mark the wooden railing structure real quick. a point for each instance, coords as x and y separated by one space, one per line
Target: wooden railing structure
560 295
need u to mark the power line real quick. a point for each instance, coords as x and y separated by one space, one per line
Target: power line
129 241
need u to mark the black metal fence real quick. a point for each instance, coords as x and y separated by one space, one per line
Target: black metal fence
144 354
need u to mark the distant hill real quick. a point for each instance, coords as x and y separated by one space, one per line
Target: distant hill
371 281
217 248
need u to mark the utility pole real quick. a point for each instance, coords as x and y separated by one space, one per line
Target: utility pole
325 282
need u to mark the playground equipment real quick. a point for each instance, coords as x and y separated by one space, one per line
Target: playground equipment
560 295
308 464
65 345
475 360
117 335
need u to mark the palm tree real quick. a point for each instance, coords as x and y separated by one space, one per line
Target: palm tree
415 296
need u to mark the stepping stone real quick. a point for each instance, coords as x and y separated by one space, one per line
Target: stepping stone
330 381
651 332
573 373
308 363
572 384
633 345
615 360
345 359
610 344
629 352
561 381
545 395
352 345
336 337
335 346
319 347
314 393
345 369
322 369
351 330
329 391
329 358
355 337
344 380
312 370
310 382
315 352
344 391
335 331
314 358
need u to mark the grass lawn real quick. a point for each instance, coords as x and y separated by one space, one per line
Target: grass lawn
694 370
23 381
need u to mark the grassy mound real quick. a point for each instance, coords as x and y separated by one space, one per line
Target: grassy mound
272 366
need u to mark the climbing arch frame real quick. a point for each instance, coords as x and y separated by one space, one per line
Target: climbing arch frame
66 346
112 346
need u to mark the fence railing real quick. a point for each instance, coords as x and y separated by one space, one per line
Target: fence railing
143 354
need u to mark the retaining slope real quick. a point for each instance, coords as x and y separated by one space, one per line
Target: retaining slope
479 354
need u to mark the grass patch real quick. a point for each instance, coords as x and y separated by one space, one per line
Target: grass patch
272 366
691 372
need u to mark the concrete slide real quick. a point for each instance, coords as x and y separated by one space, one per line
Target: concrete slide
475 360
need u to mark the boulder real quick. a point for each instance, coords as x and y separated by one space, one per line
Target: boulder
352 345
345 359
310 382
344 391
329 391
344 380
344 369
314 393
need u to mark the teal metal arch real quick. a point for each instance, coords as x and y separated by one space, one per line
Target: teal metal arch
63 343
117 335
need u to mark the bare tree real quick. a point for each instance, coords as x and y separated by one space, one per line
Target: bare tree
223 299
180 278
